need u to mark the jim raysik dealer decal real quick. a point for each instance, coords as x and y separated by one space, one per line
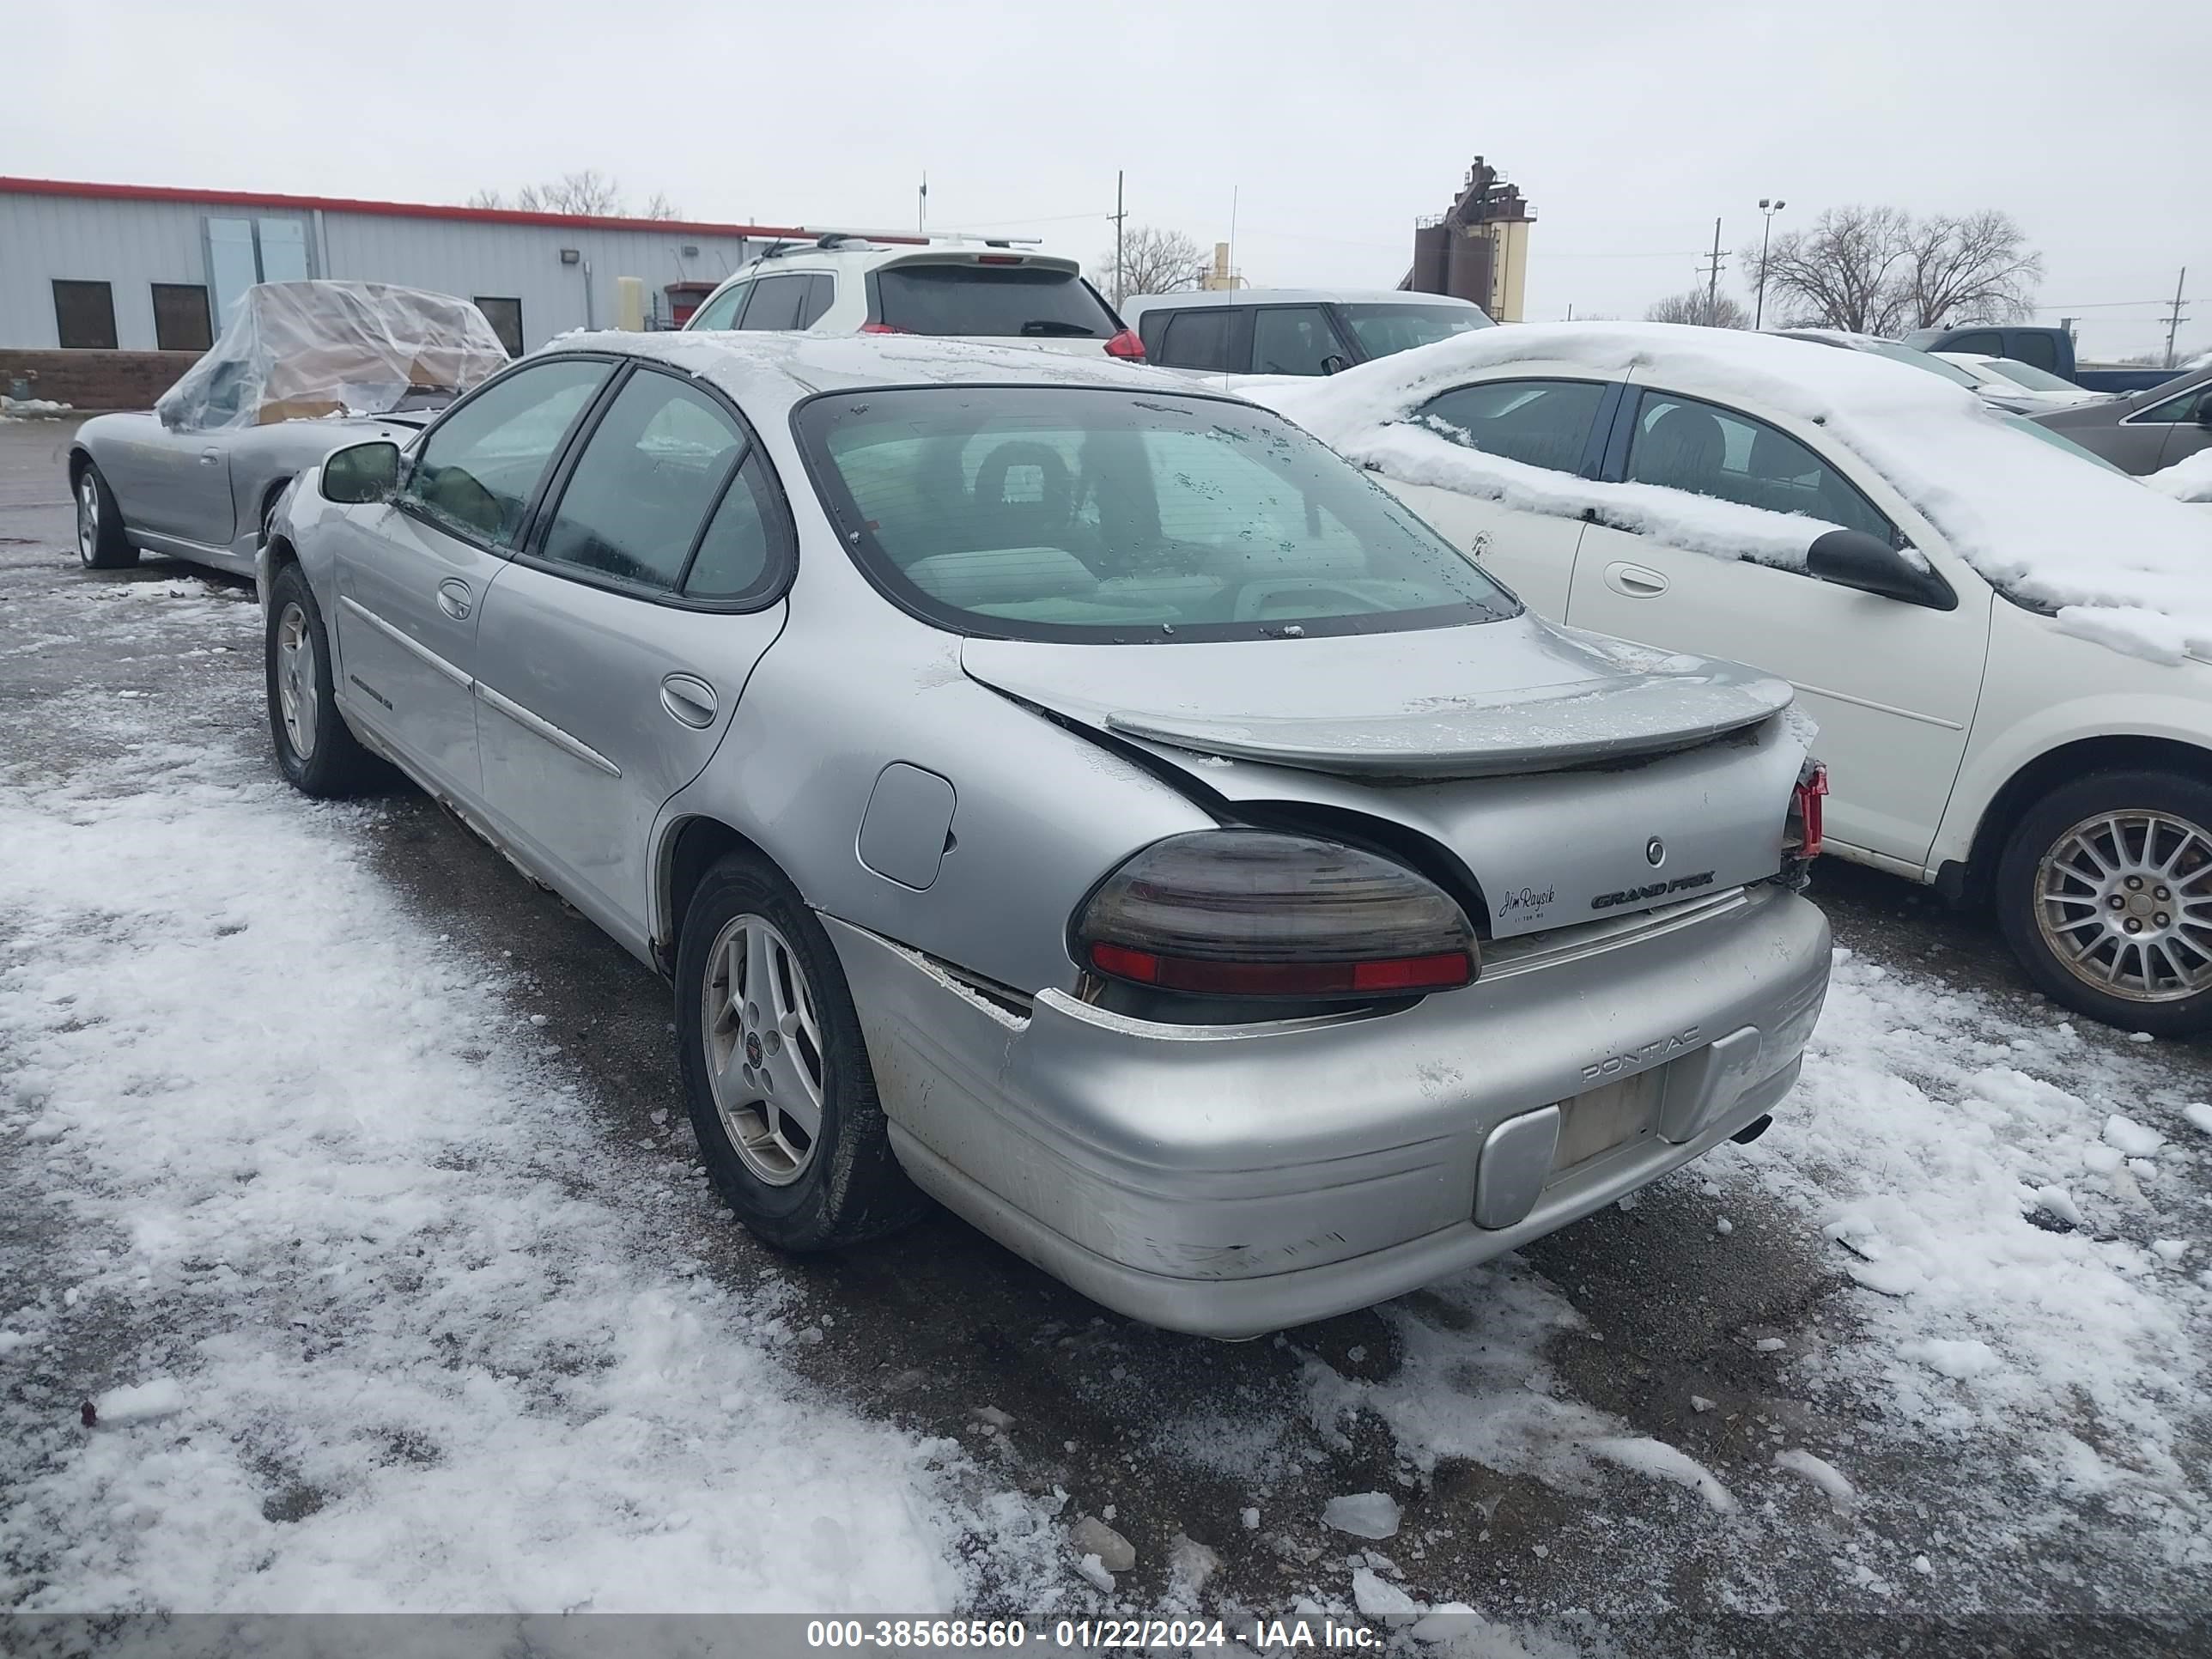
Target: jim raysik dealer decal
1528 899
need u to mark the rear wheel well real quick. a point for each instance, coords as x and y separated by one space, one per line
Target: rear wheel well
269 502
695 846
2046 773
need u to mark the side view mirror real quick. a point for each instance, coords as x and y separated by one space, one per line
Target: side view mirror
1851 558
1334 364
361 472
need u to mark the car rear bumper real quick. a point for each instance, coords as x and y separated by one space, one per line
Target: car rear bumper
1230 1180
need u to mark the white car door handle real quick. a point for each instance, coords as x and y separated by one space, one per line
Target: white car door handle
689 699
211 457
1634 580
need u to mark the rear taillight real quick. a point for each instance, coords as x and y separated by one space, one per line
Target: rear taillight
880 328
1800 836
1125 345
1252 912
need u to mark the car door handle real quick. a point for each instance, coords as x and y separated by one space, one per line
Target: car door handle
689 699
1634 580
211 457
455 598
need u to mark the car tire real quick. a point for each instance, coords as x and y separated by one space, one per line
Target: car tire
316 749
2105 894
101 541
768 1037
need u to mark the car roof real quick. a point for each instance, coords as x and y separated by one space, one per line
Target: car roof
859 251
1137 303
777 369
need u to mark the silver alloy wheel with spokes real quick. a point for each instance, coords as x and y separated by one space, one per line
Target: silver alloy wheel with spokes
297 698
764 1042
87 516
2124 900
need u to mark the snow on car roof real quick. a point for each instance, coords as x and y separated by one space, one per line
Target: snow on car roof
2113 562
789 367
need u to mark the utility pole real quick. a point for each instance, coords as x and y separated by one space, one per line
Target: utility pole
2174 320
921 208
1119 214
1713 276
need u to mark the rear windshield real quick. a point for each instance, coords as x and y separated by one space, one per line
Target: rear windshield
1019 301
1080 513
1381 330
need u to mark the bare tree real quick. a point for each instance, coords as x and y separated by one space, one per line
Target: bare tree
1694 305
1153 261
1878 270
1970 268
589 194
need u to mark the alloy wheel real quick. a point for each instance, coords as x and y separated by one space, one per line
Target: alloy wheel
296 693
87 516
2123 901
764 1042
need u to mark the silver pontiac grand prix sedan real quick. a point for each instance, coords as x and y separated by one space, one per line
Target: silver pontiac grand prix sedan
1086 801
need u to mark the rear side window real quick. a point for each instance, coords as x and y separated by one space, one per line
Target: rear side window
1292 340
634 505
1199 338
821 290
2038 349
480 466
1539 423
1003 302
1989 344
1381 330
736 559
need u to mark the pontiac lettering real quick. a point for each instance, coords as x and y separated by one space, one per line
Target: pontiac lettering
1636 1059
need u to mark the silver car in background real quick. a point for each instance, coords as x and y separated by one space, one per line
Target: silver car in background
302 368
1089 802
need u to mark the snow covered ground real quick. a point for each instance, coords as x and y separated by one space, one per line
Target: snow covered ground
401 1332
380 1302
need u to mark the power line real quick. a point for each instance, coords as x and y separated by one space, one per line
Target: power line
2174 320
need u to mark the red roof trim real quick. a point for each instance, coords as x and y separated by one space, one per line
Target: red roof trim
392 210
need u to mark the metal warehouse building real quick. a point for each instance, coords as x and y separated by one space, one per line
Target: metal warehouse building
137 268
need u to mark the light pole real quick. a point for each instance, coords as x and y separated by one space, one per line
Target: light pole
1770 209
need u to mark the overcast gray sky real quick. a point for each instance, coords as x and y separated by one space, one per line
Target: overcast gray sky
1629 125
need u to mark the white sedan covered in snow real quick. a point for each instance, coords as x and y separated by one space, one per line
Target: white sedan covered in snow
2008 647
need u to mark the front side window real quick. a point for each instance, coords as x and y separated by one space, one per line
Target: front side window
1381 330
1292 340
1681 444
1092 514
2028 374
1539 423
1012 301
1977 345
776 303
480 466
652 468
721 310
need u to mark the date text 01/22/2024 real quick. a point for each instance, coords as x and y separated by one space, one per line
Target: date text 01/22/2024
1104 1635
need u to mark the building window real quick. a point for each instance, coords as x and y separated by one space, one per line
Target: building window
243 252
180 317
505 317
84 316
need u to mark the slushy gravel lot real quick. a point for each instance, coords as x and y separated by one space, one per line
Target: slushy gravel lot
346 1180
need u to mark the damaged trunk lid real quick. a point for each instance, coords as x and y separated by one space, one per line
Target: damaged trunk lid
1563 777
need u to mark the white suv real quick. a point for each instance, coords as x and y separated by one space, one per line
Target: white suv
953 289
